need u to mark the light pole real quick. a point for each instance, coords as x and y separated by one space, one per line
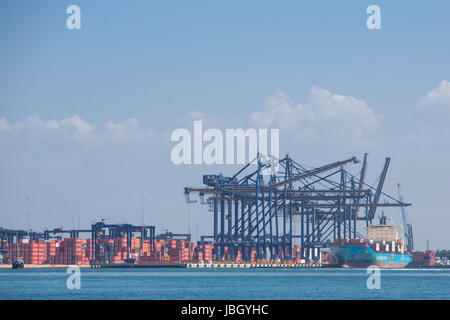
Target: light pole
124 213
189 223
28 198
78 215
196 233
142 221
142 207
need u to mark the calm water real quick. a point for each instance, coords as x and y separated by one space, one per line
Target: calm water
224 284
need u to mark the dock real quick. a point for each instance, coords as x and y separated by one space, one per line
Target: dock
253 265
45 266
209 265
135 265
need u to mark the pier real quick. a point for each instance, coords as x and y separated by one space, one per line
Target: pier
209 265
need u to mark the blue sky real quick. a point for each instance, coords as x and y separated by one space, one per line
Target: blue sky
159 61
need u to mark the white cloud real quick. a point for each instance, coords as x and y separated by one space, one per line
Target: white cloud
125 130
78 129
35 123
324 115
196 115
4 125
439 96
434 112
279 111
80 126
209 121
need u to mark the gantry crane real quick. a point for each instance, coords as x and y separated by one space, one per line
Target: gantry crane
254 211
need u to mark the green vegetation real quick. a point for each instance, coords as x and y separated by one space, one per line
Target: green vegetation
443 253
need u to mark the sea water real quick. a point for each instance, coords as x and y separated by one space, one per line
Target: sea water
225 284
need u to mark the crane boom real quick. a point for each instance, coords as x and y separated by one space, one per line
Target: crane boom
407 228
361 180
312 172
379 188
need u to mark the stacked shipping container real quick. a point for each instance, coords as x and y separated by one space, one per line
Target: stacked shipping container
426 258
77 251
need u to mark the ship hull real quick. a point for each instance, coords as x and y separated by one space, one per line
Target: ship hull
354 256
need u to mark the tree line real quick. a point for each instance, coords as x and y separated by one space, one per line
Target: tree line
443 253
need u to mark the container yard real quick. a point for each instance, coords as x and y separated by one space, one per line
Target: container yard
164 250
77 251
268 214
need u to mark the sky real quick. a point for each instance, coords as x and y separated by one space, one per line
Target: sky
86 115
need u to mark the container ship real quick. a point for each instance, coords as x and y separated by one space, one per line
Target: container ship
383 248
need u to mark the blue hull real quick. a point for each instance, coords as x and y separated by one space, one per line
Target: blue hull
362 257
